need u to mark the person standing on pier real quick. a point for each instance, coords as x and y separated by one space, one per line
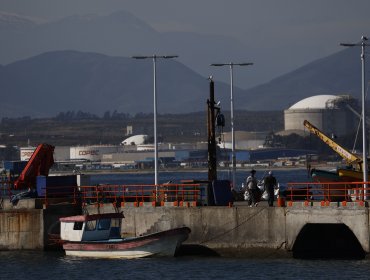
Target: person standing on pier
252 188
270 185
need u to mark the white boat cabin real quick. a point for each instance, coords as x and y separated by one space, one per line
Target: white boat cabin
91 227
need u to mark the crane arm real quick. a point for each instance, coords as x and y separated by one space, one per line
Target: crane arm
343 152
38 164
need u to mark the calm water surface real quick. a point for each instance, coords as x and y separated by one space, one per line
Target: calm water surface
35 265
51 265
283 176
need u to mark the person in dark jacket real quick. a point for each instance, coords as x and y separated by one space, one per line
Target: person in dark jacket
270 185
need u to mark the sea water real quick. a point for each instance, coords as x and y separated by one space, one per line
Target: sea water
37 265
283 176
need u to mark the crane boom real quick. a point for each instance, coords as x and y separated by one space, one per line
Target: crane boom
349 157
38 164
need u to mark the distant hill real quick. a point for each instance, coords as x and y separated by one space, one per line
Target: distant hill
336 74
117 34
38 71
61 81
84 129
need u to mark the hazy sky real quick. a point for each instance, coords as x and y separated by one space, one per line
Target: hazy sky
292 32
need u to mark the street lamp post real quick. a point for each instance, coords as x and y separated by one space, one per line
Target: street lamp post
154 57
233 158
362 44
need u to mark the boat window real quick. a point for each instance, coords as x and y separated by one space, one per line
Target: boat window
104 224
91 225
77 226
116 222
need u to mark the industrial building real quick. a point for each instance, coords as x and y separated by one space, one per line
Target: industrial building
123 156
244 140
332 114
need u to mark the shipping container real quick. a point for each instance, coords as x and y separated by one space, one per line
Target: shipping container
15 167
56 185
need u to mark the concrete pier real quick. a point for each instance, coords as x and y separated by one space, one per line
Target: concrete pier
257 231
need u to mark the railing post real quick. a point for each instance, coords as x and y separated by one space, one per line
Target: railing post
74 196
307 192
46 197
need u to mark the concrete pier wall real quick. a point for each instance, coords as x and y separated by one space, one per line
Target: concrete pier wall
25 226
264 230
242 228
357 221
217 228
21 229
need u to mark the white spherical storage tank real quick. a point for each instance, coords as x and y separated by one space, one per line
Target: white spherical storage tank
135 140
329 113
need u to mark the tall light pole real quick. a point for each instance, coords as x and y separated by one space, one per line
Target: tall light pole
233 158
154 57
362 44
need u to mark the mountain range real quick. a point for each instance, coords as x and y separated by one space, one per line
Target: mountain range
71 81
117 34
59 66
337 74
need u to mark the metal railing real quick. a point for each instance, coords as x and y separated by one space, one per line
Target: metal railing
6 186
141 193
160 194
125 193
328 191
112 193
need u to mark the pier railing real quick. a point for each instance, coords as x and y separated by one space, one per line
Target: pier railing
328 191
189 193
174 194
5 188
156 195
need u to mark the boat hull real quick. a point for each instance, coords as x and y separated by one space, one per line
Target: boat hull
332 192
321 176
164 243
350 175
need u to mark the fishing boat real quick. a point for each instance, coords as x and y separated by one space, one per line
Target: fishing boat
351 175
334 190
322 176
99 236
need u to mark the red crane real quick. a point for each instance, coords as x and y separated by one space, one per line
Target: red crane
39 164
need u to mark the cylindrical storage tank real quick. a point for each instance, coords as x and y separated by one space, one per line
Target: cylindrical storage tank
294 118
330 113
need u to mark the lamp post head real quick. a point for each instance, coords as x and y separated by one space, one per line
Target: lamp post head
139 56
153 56
232 64
360 44
244 64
